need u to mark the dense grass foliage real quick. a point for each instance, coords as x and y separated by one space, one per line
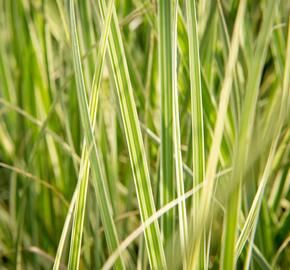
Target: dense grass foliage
144 134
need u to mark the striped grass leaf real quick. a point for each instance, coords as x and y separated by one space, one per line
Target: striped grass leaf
165 54
84 167
196 95
282 104
196 117
134 141
245 131
177 140
65 229
208 97
147 89
212 161
100 185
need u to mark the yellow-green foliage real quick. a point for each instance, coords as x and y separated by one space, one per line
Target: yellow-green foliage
144 134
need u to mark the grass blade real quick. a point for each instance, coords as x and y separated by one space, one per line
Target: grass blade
221 116
166 88
177 140
65 230
134 142
282 98
246 126
92 152
196 117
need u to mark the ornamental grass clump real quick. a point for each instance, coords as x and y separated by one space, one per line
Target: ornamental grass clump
144 134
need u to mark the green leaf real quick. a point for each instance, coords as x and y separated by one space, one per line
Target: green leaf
134 141
182 215
91 152
165 53
198 157
243 138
